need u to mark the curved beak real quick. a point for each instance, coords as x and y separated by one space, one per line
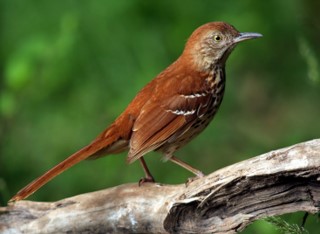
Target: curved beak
246 36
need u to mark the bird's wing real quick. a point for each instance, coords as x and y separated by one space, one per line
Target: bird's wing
162 120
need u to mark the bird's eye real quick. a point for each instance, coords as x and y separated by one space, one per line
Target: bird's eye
217 38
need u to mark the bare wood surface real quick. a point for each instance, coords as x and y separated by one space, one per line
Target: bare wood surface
226 201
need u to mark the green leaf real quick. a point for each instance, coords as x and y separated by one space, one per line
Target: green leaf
284 227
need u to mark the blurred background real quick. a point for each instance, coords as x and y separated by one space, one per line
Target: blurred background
69 68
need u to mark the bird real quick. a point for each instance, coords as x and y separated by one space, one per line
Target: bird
169 111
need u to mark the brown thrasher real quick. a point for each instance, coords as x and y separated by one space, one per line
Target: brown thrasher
169 111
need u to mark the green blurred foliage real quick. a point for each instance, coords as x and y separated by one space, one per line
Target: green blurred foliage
69 68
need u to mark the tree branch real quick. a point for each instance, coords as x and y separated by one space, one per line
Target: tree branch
226 201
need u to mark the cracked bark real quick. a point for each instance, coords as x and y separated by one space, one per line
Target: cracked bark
226 201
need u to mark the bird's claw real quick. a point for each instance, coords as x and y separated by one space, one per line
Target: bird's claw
146 180
191 179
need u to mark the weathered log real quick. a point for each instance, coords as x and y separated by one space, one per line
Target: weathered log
226 201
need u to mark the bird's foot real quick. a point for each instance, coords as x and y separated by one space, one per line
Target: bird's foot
146 180
191 179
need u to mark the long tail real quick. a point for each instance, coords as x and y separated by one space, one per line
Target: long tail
84 153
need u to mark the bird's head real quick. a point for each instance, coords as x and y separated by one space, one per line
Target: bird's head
212 43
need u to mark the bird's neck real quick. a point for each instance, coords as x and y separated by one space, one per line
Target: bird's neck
202 61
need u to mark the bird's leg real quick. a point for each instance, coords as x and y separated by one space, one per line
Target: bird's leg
148 177
186 166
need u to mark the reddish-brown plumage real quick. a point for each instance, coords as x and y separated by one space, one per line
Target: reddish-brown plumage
169 111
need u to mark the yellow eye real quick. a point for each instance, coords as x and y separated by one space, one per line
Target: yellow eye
217 38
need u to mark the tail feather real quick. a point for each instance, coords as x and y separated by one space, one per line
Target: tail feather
75 158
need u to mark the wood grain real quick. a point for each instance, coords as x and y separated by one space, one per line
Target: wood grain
226 201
